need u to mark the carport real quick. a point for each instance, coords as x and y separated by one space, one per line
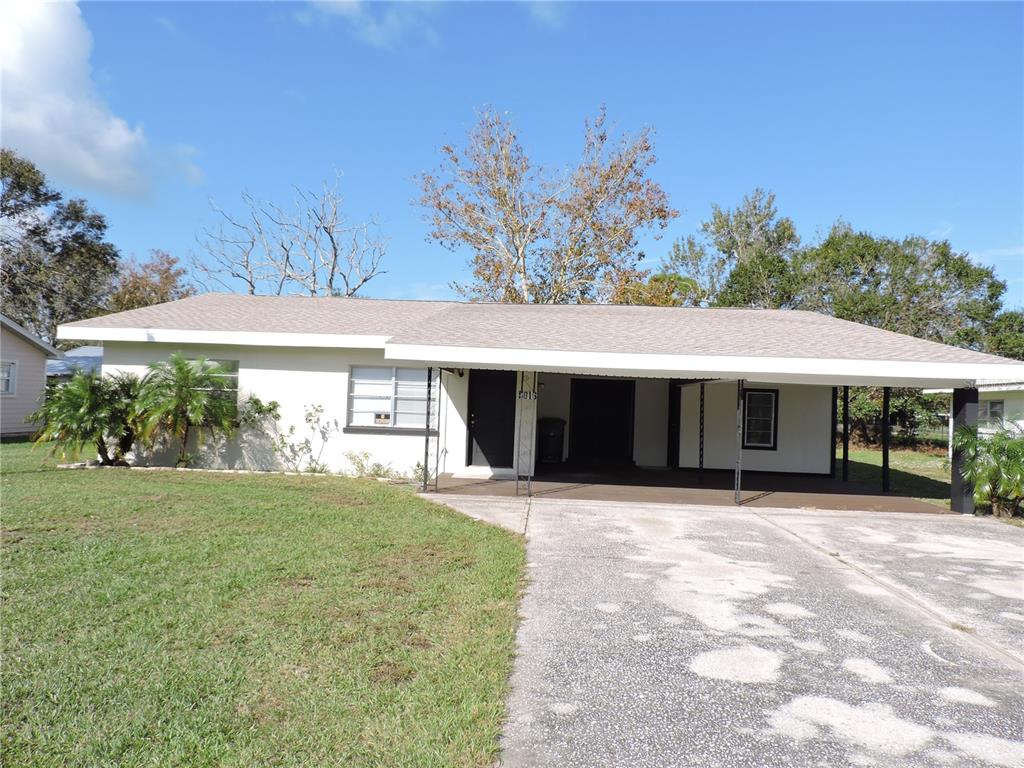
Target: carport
749 396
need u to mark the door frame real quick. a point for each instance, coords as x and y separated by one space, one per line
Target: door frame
469 417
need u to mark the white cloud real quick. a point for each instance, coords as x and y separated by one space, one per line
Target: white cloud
184 156
548 13
51 111
381 25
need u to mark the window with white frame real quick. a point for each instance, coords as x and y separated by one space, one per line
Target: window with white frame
391 397
760 418
8 378
990 413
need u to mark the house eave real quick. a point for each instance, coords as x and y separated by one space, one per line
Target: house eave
781 370
222 338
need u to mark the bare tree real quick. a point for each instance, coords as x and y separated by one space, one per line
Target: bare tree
541 237
309 247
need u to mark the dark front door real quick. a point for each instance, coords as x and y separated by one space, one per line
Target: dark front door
601 422
492 417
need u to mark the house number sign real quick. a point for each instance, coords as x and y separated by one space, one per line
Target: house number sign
527 394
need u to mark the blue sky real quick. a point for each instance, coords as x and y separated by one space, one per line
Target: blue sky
900 118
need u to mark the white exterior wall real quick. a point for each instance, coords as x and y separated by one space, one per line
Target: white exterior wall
804 429
29 383
650 424
297 378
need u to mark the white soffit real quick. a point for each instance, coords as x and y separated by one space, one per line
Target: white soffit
223 338
782 370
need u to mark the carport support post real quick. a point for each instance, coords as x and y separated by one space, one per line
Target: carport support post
846 433
426 434
700 451
739 441
885 439
832 436
965 414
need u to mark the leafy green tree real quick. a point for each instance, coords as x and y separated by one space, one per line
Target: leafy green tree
1006 335
57 264
909 412
762 281
994 464
182 395
694 260
24 189
743 258
660 290
914 286
75 414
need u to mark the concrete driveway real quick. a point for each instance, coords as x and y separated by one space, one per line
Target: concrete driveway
658 635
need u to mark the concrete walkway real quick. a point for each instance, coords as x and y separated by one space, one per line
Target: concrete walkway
657 635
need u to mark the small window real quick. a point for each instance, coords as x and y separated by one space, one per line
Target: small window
990 413
226 381
7 378
760 418
391 397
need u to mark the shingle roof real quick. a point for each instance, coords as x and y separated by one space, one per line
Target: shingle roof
31 338
88 359
675 331
577 328
273 314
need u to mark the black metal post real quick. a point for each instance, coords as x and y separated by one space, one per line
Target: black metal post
846 433
700 451
885 439
739 441
965 414
832 436
426 434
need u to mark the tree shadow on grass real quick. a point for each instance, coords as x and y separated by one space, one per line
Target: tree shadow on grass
901 482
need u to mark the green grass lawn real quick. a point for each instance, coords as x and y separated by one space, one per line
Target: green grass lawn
178 618
919 474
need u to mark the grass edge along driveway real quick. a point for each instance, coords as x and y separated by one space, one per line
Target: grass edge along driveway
175 618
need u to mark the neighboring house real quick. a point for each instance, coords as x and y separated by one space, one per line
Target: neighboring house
1000 401
22 377
88 359
466 383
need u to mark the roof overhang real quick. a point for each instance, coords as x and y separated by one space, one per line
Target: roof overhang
222 338
1005 387
781 370
30 338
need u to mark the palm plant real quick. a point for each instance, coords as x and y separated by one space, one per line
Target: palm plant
75 414
127 421
182 395
994 464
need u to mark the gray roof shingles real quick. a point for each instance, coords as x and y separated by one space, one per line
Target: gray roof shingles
578 328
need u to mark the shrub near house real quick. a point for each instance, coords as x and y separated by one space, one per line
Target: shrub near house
994 464
175 399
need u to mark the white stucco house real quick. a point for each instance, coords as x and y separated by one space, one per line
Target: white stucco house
1000 402
467 385
23 357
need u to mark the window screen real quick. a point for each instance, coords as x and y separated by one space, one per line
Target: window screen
990 413
391 397
760 414
6 378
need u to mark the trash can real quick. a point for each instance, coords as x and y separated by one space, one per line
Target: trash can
550 436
